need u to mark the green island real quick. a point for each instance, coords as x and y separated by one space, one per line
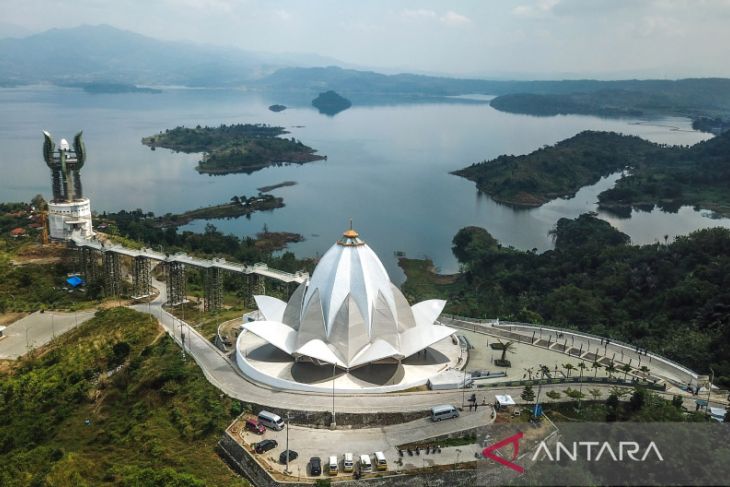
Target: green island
114 88
670 297
235 148
237 207
331 103
698 99
667 176
272 187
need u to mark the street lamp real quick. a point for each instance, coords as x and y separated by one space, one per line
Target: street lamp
287 442
334 419
709 391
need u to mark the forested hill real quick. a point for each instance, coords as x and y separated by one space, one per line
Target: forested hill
693 98
668 176
558 170
671 298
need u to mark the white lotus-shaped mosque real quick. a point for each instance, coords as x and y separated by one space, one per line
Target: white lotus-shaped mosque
349 313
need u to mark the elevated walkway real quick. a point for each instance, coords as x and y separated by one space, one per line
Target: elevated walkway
260 269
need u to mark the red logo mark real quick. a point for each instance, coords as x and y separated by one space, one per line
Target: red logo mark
491 452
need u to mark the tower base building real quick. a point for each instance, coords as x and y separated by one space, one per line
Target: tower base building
66 217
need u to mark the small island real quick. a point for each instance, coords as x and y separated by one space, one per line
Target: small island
272 187
331 103
235 148
655 174
277 108
237 207
116 88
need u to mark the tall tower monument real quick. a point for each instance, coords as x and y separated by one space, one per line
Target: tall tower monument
68 210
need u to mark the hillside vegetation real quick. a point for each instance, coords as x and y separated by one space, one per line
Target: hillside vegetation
234 148
112 403
670 298
668 176
693 98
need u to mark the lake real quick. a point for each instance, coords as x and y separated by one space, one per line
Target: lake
387 167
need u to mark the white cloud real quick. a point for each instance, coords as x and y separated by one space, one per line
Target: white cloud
453 18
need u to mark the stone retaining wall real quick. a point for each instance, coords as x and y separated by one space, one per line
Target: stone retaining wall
322 419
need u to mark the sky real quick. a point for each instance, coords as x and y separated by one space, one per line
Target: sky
492 38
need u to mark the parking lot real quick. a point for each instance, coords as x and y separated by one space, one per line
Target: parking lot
312 442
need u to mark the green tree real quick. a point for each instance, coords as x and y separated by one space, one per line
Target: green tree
569 368
596 365
528 394
626 368
611 369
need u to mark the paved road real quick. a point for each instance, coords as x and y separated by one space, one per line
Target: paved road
36 330
225 375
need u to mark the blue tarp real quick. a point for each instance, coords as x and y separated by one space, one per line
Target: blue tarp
75 281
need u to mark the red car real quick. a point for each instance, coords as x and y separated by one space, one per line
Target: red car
255 427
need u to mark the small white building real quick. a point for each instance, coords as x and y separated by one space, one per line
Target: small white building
450 379
504 401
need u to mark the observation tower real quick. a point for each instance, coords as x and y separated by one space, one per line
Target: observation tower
68 210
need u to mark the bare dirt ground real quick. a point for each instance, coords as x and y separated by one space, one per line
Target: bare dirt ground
11 317
39 254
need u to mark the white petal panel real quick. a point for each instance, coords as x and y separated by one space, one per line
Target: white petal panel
311 326
319 350
278 334
271 308
422 337
427 312
384 325
293 310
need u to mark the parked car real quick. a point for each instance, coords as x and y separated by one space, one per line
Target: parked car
265 445
255 427
292 456
315 465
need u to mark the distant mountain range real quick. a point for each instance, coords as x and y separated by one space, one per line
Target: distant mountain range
99 57
103 53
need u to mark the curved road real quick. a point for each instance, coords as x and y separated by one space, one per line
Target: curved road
225 375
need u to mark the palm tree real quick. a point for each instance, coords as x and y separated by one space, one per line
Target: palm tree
569 367
644 369
545 371
506 347
596 365
611 369
529 371
595 393
582 366
626 368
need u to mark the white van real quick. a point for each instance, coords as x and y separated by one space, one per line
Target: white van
332 467
271 420
445 411
365 464
380 462
348 464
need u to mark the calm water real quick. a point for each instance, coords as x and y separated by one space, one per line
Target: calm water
387 167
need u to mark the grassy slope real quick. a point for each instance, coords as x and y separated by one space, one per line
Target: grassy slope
153 422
